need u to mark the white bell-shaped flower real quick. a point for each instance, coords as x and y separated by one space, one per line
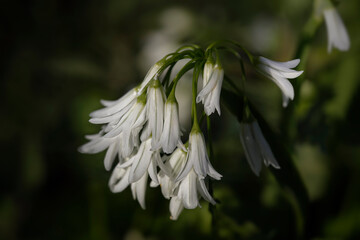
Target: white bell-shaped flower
197 158
336 30
171 134
279 73
212 82
256 148
155 110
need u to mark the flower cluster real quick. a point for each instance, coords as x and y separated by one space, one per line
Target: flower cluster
142 130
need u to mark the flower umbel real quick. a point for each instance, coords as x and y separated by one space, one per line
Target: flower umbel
142 135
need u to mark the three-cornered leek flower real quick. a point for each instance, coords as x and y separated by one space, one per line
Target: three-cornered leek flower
97 143
336 30
155 110
279 73
256 148
171 134
212 82
197 158
135 171
119 180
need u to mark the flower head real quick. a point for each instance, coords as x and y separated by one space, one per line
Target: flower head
210 94
336 30
256 148
279 73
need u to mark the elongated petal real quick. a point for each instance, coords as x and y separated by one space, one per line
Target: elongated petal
110 156
139 190
265 149
337 33
250 147
282 66
204 192
175 208
122 103
141 162
188 191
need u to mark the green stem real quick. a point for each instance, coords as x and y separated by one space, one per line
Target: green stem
289 120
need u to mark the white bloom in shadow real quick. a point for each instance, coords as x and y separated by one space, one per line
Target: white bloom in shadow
336 30
119 181
212 82
256 148
279 73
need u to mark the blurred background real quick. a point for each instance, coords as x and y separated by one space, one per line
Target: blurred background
59 58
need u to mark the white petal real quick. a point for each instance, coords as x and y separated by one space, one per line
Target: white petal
337 33
140 190
282 66
110 156
122 103
188 191
141 162
266 152
204 192
175 208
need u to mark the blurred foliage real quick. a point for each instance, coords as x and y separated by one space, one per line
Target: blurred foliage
59 58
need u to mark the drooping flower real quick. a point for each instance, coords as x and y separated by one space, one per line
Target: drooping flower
173 166
279 73
119 181
197 158
336 30
155 109
135 171
114 109
212 82
256 148
171 134
98 144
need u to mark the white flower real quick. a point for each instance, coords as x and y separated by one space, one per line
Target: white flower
119 180
144 161
98 143
171 134
173 166
210 94
197 158
256 148
135 171
185 192
190 188
155 109
279 73
336 30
